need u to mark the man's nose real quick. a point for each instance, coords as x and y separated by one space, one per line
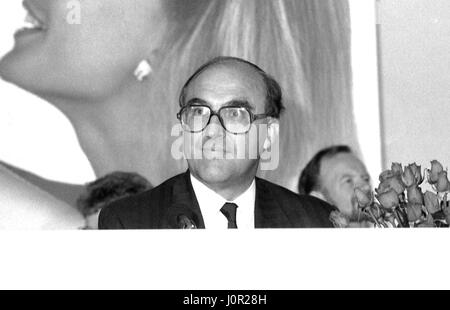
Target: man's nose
214 127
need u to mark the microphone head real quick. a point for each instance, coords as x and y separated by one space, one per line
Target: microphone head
182 217
185 223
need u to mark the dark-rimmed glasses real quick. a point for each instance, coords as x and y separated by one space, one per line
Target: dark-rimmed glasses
234 119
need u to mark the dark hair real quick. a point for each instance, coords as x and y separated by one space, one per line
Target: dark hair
309 178
110 187
273 105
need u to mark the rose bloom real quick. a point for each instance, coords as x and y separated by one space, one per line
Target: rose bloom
431 201
416 170
391 183
389 199
396 168
414 211
429 222
442 184
414 195
364 198
433 174
408 177
386 175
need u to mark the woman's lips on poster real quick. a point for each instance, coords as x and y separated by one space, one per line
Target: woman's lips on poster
33 23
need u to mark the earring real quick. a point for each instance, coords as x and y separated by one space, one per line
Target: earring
143 70
266 145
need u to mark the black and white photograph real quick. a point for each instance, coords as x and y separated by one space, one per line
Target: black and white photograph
303 143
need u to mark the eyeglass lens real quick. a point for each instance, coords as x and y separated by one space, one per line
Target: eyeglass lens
234 119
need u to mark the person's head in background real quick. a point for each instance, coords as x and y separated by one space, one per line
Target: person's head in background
106 189
86 69
332 175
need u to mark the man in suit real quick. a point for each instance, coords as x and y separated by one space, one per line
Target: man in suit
221 103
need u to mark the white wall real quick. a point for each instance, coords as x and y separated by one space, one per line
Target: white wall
365 82
415 67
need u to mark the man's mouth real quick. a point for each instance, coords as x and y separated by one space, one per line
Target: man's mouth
214 149
218 149
214 146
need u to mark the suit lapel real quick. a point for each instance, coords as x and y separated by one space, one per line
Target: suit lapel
268 212
183 201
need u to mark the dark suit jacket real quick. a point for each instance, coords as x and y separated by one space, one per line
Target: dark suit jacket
275 207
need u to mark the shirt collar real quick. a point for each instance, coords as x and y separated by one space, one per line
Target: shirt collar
206 196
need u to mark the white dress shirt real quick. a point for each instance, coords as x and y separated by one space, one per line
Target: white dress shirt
210 204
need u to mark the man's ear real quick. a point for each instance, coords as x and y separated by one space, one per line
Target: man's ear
273 131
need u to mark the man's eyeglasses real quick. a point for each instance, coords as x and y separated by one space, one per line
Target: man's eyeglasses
235 119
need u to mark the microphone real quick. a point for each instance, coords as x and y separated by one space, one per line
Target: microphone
182 217
185 223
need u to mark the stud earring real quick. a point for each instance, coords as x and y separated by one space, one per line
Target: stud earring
142 70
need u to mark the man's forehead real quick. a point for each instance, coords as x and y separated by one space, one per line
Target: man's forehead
229 79
233 67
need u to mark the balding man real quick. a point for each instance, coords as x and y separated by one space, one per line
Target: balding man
222 105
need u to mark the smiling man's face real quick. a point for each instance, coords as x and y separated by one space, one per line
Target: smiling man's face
339 176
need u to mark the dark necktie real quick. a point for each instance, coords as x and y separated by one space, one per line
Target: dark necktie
229 210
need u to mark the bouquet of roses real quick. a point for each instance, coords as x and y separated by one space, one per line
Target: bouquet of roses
399 200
